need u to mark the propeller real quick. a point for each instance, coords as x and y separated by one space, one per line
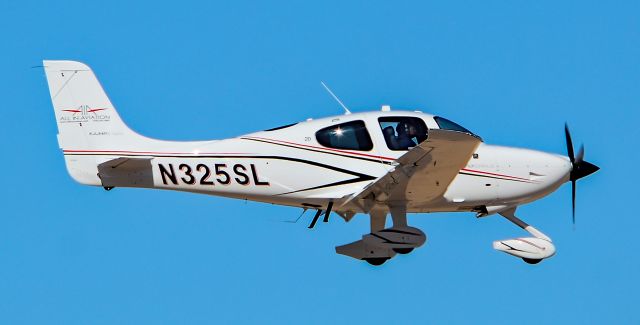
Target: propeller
579 168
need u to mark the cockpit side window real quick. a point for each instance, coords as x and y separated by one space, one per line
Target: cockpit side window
445 124
351 136
403 132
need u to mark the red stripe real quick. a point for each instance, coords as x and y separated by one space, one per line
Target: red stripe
494 174
156 153
329 149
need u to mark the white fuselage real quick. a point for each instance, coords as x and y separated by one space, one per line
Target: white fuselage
288 166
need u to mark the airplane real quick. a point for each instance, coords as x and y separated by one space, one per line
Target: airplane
378 163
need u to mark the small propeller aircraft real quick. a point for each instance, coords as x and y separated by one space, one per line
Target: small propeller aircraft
376 163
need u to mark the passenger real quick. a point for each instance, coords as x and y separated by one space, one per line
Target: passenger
390 137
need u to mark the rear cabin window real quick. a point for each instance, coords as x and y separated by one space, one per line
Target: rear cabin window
403 132
351 136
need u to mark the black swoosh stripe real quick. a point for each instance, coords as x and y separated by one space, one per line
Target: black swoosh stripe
349 181
359 177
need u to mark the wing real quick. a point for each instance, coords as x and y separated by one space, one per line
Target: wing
423 173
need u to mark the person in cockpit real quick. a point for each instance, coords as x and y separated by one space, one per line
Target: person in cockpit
406 134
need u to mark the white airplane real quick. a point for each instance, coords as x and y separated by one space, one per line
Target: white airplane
376 163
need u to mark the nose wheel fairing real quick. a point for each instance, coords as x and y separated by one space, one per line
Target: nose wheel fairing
531 249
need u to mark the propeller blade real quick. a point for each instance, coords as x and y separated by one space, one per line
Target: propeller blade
579 169
567 137
573 201
580 154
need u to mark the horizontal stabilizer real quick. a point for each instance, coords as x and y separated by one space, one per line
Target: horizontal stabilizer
126 172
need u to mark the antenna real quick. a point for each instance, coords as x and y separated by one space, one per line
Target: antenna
346 110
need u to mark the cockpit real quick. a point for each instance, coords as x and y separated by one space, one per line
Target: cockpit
400 133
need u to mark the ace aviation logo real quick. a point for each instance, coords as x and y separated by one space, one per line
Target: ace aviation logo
84 113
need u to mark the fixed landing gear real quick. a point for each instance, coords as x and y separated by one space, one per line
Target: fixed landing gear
532 250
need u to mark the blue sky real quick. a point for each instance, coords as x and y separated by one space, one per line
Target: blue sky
511 71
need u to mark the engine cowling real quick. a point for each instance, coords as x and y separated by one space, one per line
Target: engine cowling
528 248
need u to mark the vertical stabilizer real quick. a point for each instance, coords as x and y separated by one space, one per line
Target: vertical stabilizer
87 120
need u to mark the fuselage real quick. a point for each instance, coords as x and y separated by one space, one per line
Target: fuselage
308 164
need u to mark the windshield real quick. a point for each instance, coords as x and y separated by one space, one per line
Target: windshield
445 124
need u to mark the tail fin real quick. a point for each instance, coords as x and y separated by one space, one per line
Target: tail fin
86 118
87 121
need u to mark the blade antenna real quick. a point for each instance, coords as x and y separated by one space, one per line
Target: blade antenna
346 110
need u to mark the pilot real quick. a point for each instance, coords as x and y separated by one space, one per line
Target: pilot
406 133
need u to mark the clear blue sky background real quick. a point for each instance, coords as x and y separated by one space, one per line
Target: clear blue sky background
512 71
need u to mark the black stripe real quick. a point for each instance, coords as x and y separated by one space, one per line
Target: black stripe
513 249
315 150
349 181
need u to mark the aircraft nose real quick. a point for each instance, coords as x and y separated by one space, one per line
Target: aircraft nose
558 166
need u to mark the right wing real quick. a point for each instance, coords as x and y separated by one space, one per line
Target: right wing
423 173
